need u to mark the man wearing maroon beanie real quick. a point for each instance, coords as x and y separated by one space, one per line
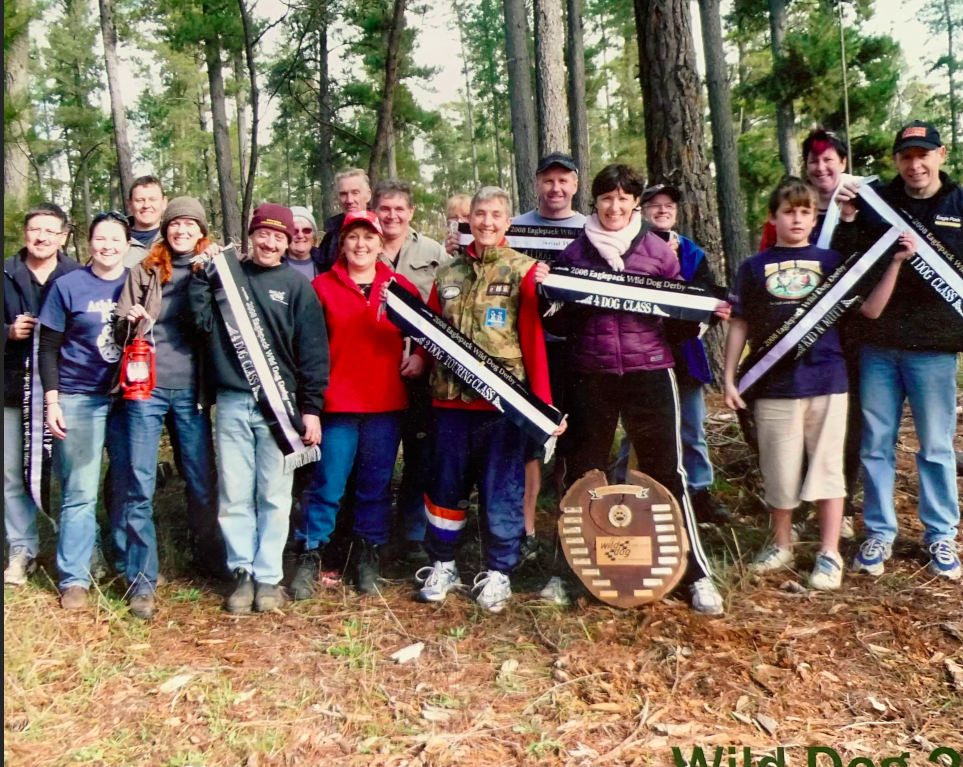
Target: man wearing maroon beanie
253 476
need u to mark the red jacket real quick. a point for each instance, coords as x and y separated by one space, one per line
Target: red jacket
365 352
531 339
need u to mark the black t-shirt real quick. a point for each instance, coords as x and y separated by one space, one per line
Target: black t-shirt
144 236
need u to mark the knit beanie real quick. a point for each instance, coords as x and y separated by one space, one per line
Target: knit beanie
297 211
270 215
184 207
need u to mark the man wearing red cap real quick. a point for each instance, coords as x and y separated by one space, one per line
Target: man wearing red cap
253 473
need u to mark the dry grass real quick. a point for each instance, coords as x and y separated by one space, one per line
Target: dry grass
862 670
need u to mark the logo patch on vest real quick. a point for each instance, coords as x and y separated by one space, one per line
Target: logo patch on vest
500 289
953 221
496 318
450 291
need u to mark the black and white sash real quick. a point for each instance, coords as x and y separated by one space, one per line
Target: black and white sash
255 355
820 310
529 239
635 293
473 366
37 439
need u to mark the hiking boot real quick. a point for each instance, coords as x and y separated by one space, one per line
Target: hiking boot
269 597
367 572
847 528
305 580
98 564
531 547
415 554
494 590
945 562
19 567
143 605
872 556
241 600
437 581
708 510
74 598
555 592
706 598
772 559
827 574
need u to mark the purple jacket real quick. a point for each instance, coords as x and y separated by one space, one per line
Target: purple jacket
607 341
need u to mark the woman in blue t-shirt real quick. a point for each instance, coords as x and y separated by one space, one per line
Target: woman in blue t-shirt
77 359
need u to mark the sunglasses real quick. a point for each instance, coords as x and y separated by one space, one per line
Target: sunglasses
109 215
309 230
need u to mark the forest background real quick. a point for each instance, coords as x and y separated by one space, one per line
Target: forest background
241 101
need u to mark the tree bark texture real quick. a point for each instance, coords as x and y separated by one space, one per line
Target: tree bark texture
460 17
325 155
785 114
240 106
108 30
212 196
578 110
522 102
732 210
222 142
249 33
951 75
553 135
16 162
388 94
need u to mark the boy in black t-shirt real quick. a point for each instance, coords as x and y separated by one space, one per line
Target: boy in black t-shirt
800 406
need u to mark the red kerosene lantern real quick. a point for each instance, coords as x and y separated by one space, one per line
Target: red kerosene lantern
137 374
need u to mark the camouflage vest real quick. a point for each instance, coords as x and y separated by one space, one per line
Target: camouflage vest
481 298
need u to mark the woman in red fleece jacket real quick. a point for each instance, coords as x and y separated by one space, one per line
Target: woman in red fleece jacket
362 407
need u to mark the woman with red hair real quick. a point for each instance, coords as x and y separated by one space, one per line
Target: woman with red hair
154 305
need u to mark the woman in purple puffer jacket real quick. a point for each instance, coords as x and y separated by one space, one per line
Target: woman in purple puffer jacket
621 365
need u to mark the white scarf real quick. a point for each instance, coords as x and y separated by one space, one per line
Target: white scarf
613 245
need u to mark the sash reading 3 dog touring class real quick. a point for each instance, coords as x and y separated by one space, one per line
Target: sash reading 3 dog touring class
37 439
635 293
492 382
239 313
529 239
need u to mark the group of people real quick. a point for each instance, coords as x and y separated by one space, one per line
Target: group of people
290 345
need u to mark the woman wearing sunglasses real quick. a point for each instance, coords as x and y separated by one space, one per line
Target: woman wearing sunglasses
303 254
154 305
78 357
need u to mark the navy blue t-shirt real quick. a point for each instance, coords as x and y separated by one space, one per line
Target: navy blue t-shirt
81 306
768 290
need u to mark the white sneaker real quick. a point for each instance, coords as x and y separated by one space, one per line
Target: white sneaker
847 528
494 590
872 557
945 560
706 598
555 592
772 559
827 573
19 567
437 581
98 564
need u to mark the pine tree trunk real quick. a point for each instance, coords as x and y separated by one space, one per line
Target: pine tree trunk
460 17
392 150
16 81
212 197
222 142
108 31
673 114
785 115
240 105
325 155
951 75
732 211
519 64
388 94
578 110
552 98
249 31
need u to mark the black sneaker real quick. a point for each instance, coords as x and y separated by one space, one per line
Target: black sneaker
270 596
305 580
708 509
531 547
367 573
241 600
415 554
143 606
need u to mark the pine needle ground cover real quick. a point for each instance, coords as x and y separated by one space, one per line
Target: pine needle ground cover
871 671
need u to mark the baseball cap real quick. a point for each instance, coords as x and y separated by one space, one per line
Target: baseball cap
672 191
364 218
556 158
917 133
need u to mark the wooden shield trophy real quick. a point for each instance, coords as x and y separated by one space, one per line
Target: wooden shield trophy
626 543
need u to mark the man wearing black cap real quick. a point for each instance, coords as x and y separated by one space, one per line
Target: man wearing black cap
910 352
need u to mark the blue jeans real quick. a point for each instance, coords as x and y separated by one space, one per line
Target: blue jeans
191 431
928 380
19 510
254 489
695 449
93 421
373 439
